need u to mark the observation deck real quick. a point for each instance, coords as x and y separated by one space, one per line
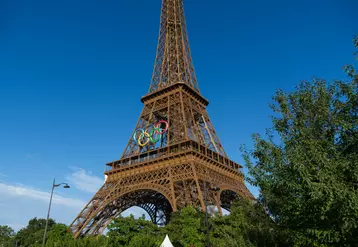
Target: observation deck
188 150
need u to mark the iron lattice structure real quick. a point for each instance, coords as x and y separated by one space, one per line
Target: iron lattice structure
174 157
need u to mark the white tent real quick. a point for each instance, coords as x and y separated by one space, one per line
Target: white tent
166 242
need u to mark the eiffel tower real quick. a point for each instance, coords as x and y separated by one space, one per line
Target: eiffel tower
173 157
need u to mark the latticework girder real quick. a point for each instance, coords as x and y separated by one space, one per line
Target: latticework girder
165 187
186 117
173 62
173 157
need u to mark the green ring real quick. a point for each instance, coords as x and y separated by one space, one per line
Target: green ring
159 136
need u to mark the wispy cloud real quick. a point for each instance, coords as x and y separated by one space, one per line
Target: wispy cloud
33 194
84 181
20 203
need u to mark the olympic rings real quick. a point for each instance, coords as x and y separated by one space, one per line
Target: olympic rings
152 134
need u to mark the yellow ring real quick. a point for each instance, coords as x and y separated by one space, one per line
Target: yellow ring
141 136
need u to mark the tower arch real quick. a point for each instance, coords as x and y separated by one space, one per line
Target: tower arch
150 198
227 197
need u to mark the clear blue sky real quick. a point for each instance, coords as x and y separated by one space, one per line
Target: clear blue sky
72 74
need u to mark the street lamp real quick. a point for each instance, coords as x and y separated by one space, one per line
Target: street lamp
66 186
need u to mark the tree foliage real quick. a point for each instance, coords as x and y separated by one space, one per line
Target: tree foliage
33 233
307 166
6 233
247 225
186 228
230 230
134 232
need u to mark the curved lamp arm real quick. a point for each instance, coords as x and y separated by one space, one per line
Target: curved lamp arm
66 186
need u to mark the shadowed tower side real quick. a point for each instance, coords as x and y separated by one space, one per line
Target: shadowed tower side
173 157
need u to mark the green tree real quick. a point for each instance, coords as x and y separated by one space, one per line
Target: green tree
247 225
259 227
307 166
59 236
133 232
230 230
141 239
32 234
6 234
186 228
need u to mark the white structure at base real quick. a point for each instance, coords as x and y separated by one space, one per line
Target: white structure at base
166 242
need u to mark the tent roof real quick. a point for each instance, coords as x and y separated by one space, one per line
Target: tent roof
166 242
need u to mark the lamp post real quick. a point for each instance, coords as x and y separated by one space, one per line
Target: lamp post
66 186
